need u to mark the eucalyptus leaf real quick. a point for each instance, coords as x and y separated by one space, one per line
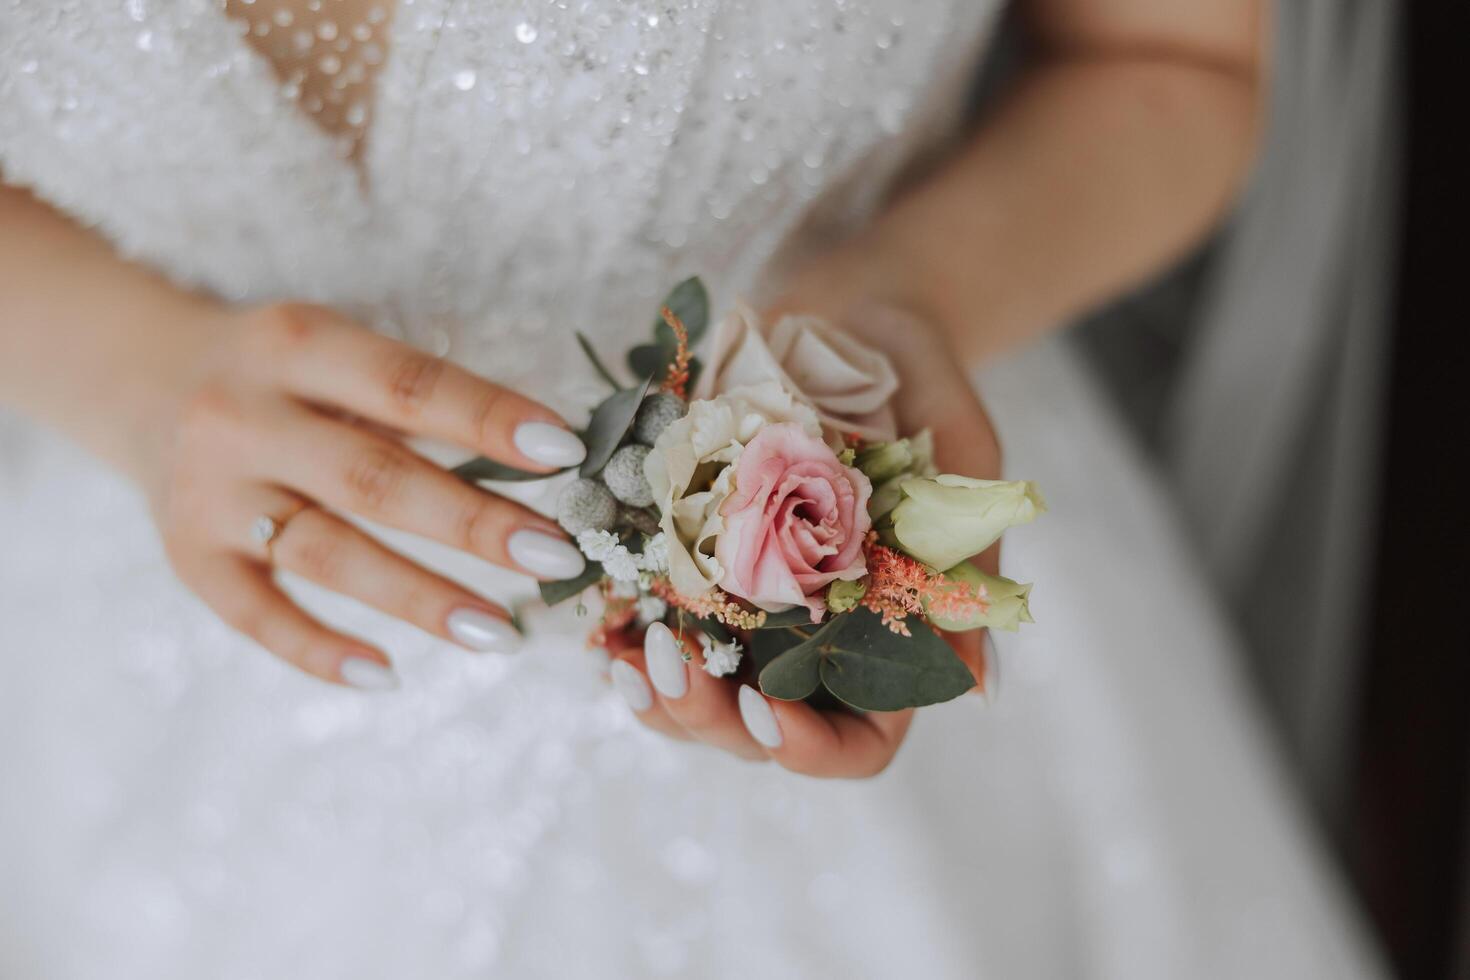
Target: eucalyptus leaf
481 468
763 646
650 360
597 364
689 301
795 674
795 616
872 668
610 423
564 589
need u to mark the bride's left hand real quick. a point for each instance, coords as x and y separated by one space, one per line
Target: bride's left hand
685 702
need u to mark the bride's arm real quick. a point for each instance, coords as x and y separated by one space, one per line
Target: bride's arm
1114 152
88 342
225 416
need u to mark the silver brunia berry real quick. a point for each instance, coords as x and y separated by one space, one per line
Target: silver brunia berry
624 476
586 505
655 414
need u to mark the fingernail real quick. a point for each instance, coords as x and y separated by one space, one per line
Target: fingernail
367 675
665 666
545 555
601 659
548 444
759 719
631 685
990 657
478 630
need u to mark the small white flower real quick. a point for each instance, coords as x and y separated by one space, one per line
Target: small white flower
624 590
621 565
598 545
656 553
651 609
719 658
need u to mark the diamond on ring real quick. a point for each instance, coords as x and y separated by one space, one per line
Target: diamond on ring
264 529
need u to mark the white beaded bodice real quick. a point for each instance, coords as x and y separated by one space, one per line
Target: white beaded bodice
531 166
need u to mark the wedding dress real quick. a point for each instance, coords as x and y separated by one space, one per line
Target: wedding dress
174 803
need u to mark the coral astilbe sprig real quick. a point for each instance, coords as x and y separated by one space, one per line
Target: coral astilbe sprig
899 586
677 380
714 604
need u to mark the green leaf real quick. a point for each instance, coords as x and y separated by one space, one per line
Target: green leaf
564 589
610 423
872 668
650 360
795 616
689 301
766 645
795 674
481 468
597 364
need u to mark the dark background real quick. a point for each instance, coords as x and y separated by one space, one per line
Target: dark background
1404 839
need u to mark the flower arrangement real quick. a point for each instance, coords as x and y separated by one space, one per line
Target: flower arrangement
766 503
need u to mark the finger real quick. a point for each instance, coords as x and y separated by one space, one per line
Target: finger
970 648
382 480
327 550
830 744
245 597
629 678
704 706
324 358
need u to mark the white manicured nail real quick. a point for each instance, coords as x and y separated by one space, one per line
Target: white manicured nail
631 685
549 445
545 555
759 719
990 658
478 630
665 665
367 675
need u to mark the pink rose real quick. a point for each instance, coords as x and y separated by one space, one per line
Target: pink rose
794 523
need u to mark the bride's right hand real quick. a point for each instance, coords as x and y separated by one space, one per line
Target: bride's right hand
263 432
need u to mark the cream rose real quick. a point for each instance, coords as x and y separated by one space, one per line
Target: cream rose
691 472
848 383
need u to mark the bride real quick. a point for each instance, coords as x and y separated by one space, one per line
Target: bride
266 265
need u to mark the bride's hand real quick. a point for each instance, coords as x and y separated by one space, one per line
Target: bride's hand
261 435
687 703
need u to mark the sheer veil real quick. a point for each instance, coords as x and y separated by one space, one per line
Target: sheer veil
1271 433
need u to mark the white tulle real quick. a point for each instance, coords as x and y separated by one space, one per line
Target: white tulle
176 804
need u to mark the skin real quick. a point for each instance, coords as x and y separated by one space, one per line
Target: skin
1117 149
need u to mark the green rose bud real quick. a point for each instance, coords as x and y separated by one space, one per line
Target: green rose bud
888 464
844 596
943 520
1009 602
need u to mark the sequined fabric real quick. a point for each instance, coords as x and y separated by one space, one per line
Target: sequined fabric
176 804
